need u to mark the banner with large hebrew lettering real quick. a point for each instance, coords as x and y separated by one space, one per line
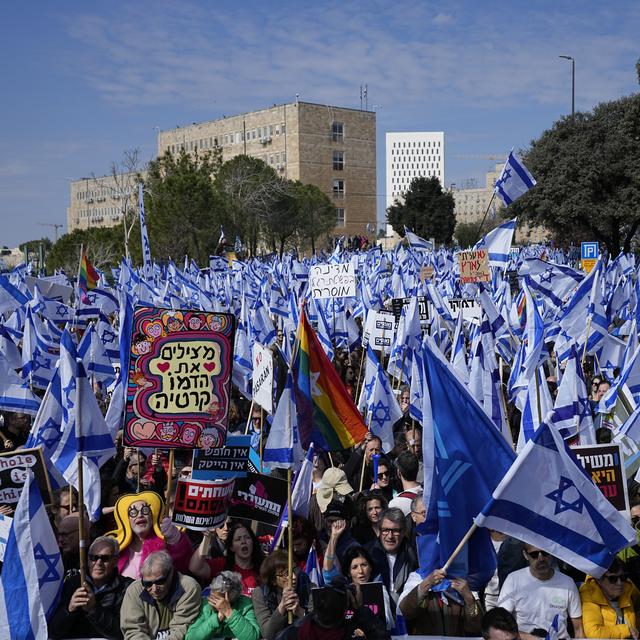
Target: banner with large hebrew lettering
179 378
604 464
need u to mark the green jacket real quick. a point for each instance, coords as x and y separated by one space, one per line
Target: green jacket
241 625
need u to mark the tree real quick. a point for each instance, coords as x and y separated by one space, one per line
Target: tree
586 168
427 210
184 211
251 188
104 246
468 233
316 213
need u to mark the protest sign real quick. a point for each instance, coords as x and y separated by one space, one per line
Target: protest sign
201 504
13 474
259 497
605 464
474 266
179 378
423 308
228 461
372 597
379 330
263 377
427 272
470 308
332 280
5 527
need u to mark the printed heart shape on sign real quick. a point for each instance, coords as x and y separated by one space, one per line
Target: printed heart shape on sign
164 366
209 366
153 329
143 430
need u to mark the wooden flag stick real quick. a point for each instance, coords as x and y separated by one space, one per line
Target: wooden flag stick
167 506
261 438
290 538
460 546
246 430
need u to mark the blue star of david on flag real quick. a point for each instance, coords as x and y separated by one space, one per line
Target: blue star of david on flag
50 573
380 413
563 504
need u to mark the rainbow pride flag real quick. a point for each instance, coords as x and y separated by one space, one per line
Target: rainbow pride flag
87 276
327 416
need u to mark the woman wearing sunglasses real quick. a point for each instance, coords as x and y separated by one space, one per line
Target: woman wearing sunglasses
609 604
141 531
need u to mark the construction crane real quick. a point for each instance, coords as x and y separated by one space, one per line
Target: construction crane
55 226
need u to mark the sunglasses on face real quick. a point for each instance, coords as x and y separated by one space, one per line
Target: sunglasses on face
383 474
536 554
612 579
147 584
133 511
104 558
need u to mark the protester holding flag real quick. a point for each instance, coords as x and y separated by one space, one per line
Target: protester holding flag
274 597
92 609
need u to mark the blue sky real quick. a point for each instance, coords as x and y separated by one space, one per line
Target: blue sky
85 81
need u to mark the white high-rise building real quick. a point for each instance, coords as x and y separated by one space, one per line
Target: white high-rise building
412 154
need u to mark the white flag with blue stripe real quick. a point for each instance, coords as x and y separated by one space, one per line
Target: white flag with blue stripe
31 578
498 243
514 181
562 512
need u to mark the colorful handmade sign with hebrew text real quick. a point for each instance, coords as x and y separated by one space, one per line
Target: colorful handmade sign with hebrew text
179 378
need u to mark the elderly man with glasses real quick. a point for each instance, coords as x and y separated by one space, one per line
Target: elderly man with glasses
92 609
535 594
162 604
394 558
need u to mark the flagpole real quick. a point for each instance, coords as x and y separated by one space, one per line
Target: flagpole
493 195
167 508
81 532
460 546
261 438
290 538
364 453
246 430
586 340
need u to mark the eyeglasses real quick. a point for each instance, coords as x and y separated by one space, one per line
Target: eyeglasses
390 532
147 584
383 474
612 579
282 574
133 511
104 558
420 513
536 554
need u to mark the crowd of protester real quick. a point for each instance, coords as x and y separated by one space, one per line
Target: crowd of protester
146 578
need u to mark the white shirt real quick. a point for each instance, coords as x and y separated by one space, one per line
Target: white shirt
535 602
405 503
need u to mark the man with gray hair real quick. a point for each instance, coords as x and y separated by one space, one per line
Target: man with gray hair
393 557
162 604
92 609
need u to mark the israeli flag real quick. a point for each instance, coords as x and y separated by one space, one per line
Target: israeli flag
498 243
15 394
514 181
416 242
31 578
562 512
146 248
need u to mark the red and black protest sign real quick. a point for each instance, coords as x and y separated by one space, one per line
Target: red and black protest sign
259 497
202 504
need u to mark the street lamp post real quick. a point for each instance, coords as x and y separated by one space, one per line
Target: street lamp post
573 83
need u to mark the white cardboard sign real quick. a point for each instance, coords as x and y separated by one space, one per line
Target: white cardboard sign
379 330
263 377
333 280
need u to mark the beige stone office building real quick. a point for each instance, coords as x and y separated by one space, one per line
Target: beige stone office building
471 205
101 201
331 147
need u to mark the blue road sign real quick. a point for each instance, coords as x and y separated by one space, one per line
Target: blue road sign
590 250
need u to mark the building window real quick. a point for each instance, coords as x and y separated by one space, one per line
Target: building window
338 188
338 160
337 131
340 217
